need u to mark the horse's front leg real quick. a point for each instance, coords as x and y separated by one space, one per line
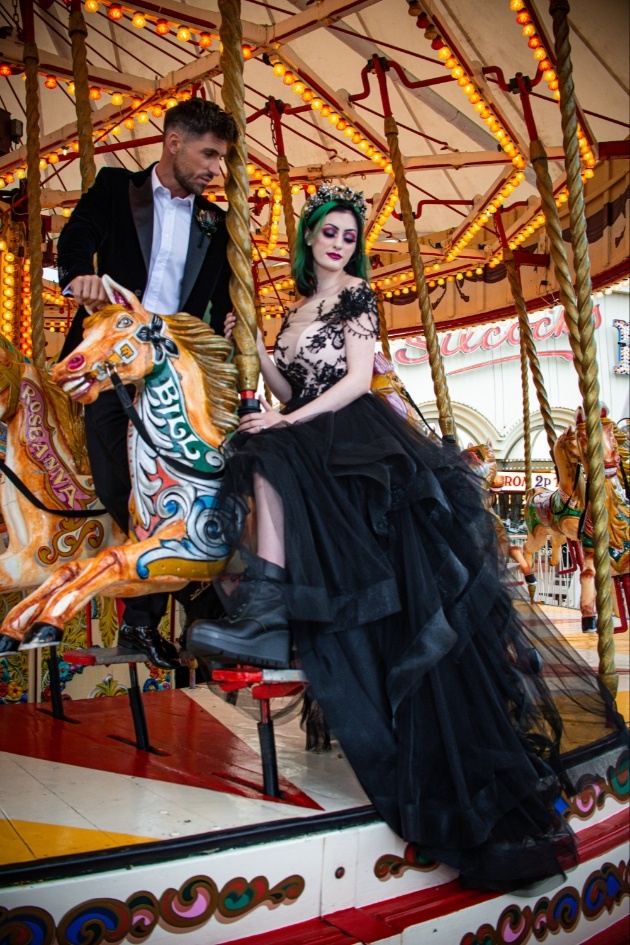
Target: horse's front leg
113 573
587 592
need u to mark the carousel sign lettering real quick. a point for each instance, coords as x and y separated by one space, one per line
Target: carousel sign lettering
551 324
517 481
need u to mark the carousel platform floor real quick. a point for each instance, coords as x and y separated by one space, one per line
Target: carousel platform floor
74 787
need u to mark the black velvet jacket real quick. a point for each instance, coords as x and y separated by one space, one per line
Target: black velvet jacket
114 221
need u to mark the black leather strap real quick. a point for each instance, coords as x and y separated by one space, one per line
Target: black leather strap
134 418
32 498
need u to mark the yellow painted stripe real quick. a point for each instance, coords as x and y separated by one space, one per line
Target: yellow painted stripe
22 840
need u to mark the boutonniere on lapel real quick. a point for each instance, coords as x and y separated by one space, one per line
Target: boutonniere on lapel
209 221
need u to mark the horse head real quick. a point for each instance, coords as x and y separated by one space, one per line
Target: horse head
113 339
610 449
481 459
123 337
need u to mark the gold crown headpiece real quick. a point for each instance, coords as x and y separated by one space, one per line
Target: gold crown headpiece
330 192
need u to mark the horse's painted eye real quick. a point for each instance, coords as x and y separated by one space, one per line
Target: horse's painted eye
124 322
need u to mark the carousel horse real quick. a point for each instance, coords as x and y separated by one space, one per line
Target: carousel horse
564 514
50 511
185 406
482 461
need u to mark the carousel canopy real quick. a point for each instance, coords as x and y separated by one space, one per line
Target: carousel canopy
469 84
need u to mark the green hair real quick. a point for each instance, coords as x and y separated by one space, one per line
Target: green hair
303 268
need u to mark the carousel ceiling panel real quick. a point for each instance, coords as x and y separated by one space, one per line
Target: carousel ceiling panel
453 160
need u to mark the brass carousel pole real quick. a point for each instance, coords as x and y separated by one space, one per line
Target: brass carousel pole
538 158
445 410
559 10
77 31
528 349
31 62
283 176
237 190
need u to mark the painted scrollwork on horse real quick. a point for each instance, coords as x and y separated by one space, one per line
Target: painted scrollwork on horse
565 513
185 405
44 464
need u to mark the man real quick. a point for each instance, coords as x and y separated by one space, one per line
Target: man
154 233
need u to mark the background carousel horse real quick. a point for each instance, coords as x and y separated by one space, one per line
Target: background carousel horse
481 459
564 514
44 453
187 405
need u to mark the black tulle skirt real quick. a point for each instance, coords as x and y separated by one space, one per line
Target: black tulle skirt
422 658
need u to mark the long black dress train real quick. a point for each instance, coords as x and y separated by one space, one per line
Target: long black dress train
402 621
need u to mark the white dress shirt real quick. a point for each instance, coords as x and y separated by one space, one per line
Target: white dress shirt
171 231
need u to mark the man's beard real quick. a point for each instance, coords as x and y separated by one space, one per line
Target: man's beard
190 184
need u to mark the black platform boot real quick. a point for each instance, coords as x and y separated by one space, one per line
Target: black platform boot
256 629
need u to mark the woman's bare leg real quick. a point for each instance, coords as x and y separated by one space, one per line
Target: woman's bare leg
270 522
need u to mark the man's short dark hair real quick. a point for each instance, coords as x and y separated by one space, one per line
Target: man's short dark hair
197 117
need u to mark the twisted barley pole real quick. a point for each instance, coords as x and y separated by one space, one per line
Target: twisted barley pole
382 325
559 10
445 411
287 202
77 31
538 157
237 190
31 62
528 349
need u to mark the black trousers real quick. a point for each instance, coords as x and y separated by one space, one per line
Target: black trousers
106 426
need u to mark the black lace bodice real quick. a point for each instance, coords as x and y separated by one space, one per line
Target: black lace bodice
310 349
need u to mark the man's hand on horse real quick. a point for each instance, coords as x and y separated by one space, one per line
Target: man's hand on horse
89 291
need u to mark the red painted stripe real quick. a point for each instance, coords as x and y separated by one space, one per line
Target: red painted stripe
599 839
358 922
197 750
617 934
313 932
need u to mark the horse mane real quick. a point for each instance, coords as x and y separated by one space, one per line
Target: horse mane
567 442
211 352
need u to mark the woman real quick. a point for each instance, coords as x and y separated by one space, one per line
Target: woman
373 544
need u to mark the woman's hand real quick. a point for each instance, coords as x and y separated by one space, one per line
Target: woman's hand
228 331
261 420
230 322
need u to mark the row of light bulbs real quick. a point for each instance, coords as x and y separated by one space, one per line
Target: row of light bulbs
536 44
9 281
318 104
380 221
483 109
163 27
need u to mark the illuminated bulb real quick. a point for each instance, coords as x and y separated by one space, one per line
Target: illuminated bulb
20 173
117 99
91 6
311 189
540 54
317 104
295 188
139 21
50 82
162 28
129 123
53 158
444 53
142 117
288 78
94 93
326 110
248 52
334 118
529 30
43 164
115 12
299 88
307 96
171 102
66 212
183 34
451 63
156 111
457 72
279 69
205 40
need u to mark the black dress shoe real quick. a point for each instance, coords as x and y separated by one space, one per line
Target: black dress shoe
149 641
8 645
